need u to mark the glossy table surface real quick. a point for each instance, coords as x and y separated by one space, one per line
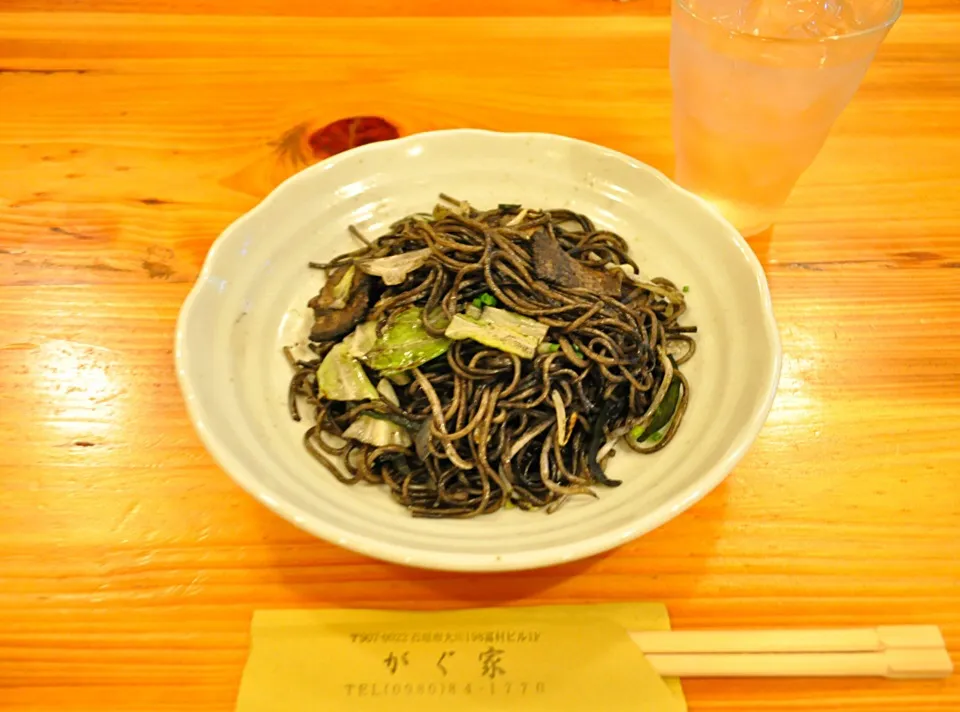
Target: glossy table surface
132 133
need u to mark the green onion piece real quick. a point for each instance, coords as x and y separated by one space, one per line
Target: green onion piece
662 415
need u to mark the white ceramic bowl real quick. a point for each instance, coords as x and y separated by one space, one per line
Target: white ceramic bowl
250 301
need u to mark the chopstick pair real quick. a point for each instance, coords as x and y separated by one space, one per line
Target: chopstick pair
895 652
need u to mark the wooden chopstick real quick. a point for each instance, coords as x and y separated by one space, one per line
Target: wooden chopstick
892 664
895 652
839 640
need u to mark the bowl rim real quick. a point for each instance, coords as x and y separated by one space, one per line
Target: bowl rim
399 553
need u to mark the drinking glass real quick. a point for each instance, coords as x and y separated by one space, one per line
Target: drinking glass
757 84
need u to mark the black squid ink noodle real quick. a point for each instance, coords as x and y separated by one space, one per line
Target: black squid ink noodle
470 360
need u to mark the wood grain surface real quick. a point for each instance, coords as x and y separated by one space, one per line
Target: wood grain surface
130 564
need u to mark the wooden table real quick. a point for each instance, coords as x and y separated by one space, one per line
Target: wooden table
130 564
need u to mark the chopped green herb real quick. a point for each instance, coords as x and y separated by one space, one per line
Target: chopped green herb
686 288
485 300
549 348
